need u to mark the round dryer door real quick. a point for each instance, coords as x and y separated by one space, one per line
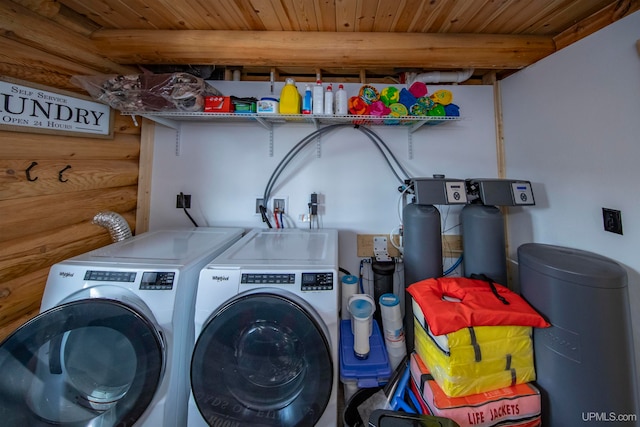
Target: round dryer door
84 363
262 359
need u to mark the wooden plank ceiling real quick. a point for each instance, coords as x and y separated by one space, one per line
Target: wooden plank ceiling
332 37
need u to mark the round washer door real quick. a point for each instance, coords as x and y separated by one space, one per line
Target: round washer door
86 362
262 359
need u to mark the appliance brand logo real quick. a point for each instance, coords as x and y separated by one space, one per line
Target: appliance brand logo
561 341
65 274
220 278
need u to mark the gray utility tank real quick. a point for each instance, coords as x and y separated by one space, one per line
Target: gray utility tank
585 360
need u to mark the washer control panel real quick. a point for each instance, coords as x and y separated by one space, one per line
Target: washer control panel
307 281
157 281
317 282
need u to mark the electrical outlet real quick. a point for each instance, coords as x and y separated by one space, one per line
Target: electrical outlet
280 203
183 201
612 220
259 202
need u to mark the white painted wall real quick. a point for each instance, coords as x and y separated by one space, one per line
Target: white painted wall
572 127
225 166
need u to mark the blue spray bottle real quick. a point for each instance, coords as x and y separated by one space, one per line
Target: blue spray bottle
307 100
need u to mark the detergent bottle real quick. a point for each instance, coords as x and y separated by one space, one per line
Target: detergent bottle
307 101
342 106
328 101
289 98
318 98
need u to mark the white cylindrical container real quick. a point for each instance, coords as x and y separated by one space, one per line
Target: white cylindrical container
361 307
348 289
318 98
328 100
342 102
391 317
393 328
396 353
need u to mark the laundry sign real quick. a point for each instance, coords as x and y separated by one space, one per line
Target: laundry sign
27 107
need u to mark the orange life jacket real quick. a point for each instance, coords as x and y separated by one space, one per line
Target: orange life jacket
453 303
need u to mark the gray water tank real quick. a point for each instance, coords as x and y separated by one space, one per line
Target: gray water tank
585 361
422 254
483 242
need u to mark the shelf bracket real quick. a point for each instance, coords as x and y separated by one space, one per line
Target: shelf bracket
410 144
271 142
414 127
316 123
173 124
268 126
178 139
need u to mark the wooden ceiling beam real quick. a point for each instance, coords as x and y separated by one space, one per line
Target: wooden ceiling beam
326 49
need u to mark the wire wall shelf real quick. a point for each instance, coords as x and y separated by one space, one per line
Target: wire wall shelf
175 119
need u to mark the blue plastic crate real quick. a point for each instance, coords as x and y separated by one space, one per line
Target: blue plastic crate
374 371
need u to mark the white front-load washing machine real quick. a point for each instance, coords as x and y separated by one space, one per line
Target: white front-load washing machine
266 321
111 345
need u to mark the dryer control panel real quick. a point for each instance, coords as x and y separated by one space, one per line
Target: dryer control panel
109 276
268 278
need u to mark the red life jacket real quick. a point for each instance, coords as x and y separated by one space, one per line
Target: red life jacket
453 303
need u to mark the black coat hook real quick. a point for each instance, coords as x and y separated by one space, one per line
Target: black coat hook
61 172
28 172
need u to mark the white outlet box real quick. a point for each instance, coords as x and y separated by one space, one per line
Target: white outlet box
281 203
258 202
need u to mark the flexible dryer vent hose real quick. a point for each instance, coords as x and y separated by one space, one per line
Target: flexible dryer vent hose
114 222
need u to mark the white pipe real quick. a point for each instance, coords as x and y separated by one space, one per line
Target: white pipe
439 76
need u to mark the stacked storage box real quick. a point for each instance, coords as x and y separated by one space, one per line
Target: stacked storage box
517 405
474 337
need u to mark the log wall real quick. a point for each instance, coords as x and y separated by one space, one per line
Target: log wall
46 221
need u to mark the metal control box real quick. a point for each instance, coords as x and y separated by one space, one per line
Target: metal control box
502 192
439 191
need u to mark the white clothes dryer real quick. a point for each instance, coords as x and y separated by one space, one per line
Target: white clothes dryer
111 345
266 321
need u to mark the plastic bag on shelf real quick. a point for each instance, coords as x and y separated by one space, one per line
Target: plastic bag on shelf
148 92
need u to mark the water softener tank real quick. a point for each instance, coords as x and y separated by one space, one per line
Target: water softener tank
483 242
585 361
422 254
